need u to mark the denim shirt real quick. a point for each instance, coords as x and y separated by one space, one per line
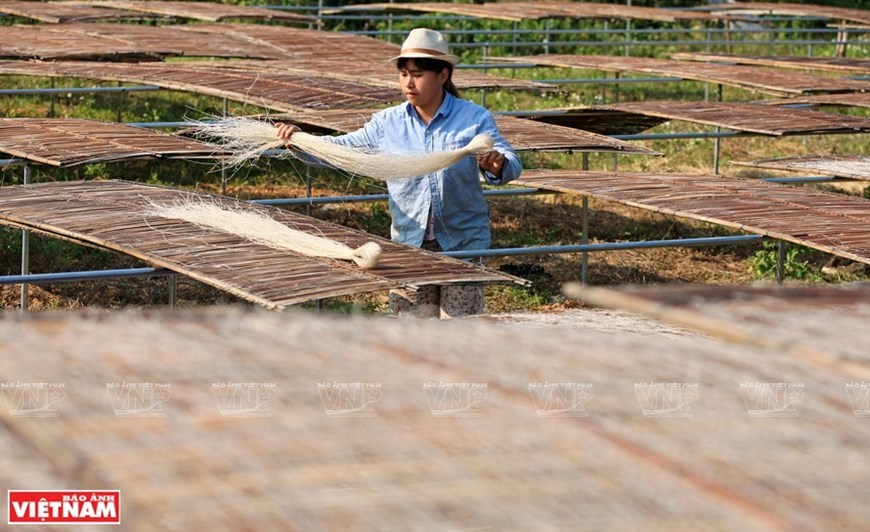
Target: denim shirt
454 194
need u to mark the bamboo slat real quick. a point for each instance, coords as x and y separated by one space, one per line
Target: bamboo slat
282 92
208 11
833 223
748 117
766 80
115 215
846 166
519 11
60 12
257 431
71 142
521 134
851 99
848 64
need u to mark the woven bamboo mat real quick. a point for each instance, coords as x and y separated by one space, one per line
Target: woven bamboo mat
748 117
846 166
852 99
764 316
847 64
208 11
70 142
37 42
757 78
377 71
519 11
797 10
601 121
114 42
826 221
116 215
255 421
61 12
522 134
281 92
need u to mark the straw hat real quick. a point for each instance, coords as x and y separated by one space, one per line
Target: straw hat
422 42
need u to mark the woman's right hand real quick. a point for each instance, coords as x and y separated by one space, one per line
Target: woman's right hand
285 131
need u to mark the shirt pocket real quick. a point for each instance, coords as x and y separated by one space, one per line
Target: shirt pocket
461 185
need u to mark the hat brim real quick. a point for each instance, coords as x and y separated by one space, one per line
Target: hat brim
452 59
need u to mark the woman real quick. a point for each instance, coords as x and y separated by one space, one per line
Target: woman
445 210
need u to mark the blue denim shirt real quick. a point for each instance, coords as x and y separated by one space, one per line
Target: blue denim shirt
454 194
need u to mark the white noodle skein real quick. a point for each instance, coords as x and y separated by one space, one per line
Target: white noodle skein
247 139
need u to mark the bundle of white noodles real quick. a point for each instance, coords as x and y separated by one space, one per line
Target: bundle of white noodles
262 229
247 139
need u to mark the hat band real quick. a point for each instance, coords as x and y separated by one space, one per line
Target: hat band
421 51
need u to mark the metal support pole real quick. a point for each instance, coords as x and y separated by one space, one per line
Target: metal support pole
717 140
308 189
25 249
223 163
548 26
121 100
627 37
780 261
584 239
173 290
51 101
320 16
616 89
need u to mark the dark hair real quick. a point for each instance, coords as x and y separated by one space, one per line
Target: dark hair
433 65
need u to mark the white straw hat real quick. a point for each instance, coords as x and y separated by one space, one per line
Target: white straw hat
422 42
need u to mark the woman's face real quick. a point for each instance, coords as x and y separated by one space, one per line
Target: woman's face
422 88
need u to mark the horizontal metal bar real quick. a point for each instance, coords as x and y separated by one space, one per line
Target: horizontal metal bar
90 275
722 135
474 66
384 197
77 90
609 246
155 125
693 42
616 30
602 81
94 275
812 179
695 135
322 200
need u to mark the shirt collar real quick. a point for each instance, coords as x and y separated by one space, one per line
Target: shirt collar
444 109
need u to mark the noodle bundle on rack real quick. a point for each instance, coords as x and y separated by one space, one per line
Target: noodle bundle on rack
262 229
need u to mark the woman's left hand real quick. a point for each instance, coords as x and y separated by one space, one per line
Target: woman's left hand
492 162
